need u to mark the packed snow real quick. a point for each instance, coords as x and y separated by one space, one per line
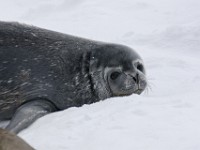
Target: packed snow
166 33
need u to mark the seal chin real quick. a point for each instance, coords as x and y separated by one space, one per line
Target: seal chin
138 91
129 91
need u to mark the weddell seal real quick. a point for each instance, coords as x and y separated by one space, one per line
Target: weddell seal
43 71
10 141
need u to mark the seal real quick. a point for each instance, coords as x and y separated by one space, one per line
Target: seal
43 71
10 141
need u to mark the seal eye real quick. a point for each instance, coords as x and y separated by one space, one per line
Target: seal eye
140 67
114 75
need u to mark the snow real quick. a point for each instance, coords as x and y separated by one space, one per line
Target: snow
166 34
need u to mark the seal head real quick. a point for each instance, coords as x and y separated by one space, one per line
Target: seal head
120 70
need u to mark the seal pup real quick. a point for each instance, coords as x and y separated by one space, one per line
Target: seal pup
10 141
43 71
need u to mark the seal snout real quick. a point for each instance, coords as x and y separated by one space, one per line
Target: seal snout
125 83
139 84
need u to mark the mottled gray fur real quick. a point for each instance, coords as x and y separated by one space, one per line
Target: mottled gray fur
45 71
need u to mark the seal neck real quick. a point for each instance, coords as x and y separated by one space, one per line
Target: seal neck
96 75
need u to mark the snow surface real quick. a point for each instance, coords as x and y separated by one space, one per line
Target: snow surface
166 33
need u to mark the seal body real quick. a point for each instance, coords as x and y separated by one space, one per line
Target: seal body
10 141
46 71
37 63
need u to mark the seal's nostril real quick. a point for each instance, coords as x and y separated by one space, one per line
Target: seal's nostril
134 79
137 78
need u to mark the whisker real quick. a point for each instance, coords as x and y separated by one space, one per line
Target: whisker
149 86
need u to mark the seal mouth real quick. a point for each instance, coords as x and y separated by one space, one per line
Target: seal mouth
128 89
138 91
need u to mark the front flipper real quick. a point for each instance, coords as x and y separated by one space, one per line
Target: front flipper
28 113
